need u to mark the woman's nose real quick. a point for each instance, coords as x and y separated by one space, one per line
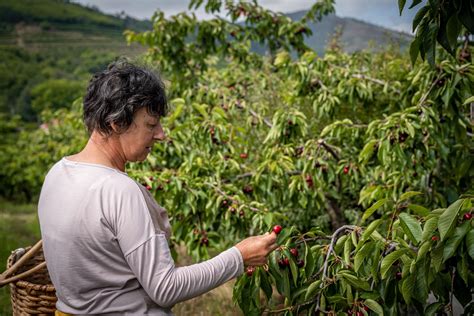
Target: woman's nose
159 133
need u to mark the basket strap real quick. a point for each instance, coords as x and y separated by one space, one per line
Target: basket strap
23 274
4 277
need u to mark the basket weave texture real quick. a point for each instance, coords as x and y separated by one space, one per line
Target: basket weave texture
32 294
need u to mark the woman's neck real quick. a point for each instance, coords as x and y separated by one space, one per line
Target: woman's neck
103 150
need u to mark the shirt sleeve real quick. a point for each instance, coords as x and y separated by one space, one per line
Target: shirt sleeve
167 285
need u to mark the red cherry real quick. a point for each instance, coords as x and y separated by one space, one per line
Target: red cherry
294 252
148 188
277 229
359 313
366 308
434 238
398 275
205 241
346 170
244 155
160 187
232 210
300 263
247 189
250 271
283 262
467 216
241 213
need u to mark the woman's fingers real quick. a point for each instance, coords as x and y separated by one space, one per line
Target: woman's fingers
255 249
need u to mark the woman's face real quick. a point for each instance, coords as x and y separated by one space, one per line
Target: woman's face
137 141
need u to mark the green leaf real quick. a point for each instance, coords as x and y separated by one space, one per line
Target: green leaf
421 293
431 309
312 288
347 250
424 248
415 3
286 284
437 258
418 209
408 195
374 306
448 218
355 281
408 286
453 27
411 129
419 16
429 228
309 263
284 234
414 49
367 151
411 227
470 243
401 5
453 242
362 254
390 259
294 271
463 269
368 232
469 100
373 208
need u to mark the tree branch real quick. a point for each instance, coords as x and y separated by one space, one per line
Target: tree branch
331 150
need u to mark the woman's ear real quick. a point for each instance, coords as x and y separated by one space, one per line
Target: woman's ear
115 127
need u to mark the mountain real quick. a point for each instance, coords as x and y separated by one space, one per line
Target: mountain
40 25
60 23
355 35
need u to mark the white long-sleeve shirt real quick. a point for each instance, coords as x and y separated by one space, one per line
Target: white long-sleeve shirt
106 248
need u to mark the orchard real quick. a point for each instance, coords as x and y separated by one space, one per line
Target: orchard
361 163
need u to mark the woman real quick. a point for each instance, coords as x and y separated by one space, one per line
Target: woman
105 238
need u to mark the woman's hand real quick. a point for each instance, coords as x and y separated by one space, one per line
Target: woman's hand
255 249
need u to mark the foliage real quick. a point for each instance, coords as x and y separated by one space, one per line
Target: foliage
442 22
193 41
394 262
40 77
34 152
363 157
54 94
65 15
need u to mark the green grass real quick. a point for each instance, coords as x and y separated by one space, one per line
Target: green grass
19 227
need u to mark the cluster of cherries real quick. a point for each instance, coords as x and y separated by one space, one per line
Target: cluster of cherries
204 240
232 208
159 187
283 262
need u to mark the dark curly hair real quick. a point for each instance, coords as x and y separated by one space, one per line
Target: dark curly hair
115 94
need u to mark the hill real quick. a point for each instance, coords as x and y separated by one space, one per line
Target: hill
49 48
355 35
58 24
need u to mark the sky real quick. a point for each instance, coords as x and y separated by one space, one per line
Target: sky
380 12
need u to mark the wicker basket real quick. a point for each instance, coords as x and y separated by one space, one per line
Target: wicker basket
32 292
